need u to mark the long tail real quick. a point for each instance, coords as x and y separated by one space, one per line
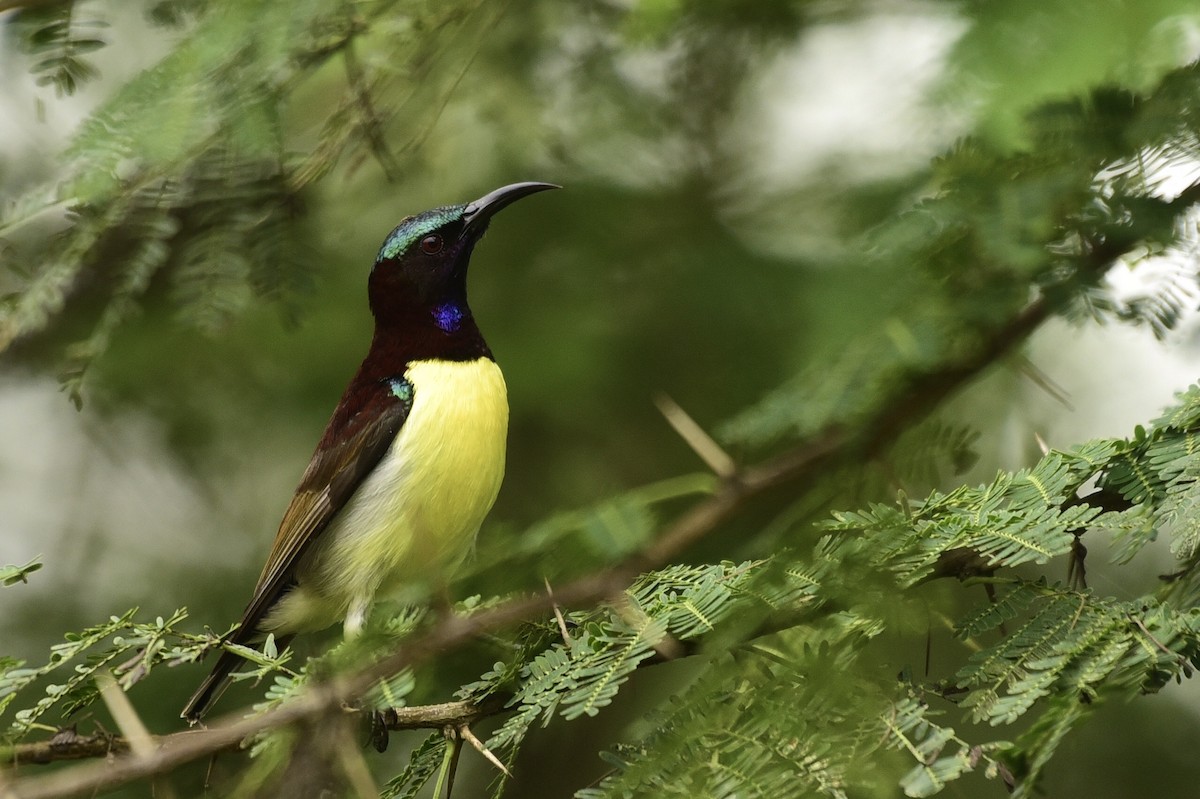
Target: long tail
217 681
211 689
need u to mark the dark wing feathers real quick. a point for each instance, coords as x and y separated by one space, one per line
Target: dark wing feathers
328 483
334 473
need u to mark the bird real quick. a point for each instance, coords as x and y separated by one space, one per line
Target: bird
412 458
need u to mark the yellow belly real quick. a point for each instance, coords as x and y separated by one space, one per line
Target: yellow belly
414 518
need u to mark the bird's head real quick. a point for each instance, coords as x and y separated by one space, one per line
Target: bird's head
422 266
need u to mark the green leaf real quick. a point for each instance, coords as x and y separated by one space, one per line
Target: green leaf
11 575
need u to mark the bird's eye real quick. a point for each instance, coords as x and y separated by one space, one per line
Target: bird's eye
431 245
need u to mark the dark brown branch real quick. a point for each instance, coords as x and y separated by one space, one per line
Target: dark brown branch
67 744
447 714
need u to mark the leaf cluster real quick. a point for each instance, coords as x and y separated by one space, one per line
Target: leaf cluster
59 37
186 188
75 662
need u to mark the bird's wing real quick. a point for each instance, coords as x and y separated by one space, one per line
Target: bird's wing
348 452
330 480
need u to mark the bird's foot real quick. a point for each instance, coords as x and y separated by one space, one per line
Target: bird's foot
377 723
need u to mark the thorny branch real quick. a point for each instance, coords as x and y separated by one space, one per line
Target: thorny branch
67 744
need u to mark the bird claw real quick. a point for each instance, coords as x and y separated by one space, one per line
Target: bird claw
377 723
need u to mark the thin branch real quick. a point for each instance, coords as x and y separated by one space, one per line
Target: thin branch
128 721
465 733
1043 381
67 744
558 615
449 767
696 437
141 742
372 124
446 714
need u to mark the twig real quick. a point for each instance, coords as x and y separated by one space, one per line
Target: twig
465 733
141 742
1045 382
449 765
67 744
558 615
446 714
127 719
695 437
372 125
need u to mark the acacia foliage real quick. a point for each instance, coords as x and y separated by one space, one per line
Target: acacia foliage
795 628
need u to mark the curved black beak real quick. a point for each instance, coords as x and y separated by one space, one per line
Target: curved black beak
477 213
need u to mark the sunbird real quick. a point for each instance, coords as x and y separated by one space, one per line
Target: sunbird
412 458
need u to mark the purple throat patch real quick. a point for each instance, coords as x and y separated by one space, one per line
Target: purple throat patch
448 317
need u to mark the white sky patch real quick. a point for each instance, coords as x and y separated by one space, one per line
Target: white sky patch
851 95
106 504
1114 376
597 124
1175 271
34 123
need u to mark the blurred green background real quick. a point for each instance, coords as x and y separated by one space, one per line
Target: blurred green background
720 158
